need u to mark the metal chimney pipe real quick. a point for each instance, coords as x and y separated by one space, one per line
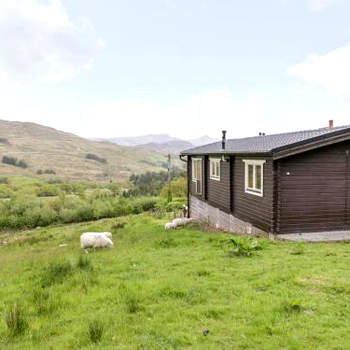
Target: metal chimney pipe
223 143
331 124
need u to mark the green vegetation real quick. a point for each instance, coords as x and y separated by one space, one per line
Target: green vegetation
96 158
180 289
14 161
32 202
46 172
153 183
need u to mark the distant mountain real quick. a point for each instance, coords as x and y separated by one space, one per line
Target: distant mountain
72 157
161 143
200 141
141 140
175 146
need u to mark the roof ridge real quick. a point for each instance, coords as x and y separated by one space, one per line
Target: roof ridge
290 132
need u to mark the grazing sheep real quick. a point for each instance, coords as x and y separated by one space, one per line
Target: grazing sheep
96 240
182 221
170 226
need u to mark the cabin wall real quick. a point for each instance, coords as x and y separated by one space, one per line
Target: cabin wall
249 207
218 191
229 196
313 190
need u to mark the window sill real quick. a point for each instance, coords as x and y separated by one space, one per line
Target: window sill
215 178
259 194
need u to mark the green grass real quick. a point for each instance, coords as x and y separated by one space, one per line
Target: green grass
161 289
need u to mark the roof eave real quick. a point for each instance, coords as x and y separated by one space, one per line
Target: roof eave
248 153
310 144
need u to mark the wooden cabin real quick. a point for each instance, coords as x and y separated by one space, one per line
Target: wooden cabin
276 184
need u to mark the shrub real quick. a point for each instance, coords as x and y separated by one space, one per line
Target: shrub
293 306
14 161
102 193
6 191
95 331
4 180
9 160
16 320
243 247
96 158
22 164
47 191
178 188
46 171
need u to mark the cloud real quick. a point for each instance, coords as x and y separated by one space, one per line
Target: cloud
40 41
330 71
319 5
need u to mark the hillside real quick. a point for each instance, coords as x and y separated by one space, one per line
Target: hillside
44 148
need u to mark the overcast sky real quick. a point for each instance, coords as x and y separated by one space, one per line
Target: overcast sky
109 68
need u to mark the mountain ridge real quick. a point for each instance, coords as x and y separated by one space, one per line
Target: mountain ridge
43 147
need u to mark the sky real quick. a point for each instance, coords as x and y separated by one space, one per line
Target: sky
108 68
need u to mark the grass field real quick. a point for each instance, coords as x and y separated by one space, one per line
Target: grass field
160 289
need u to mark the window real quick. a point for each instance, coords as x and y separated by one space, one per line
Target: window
197 174
254 176
215 169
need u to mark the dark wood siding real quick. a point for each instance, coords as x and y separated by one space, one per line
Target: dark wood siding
218 192
249 207
313 190
193 184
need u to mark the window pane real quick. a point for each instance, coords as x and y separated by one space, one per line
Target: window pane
258 177
217 169
250 175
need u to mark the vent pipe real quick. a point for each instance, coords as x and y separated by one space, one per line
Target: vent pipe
331 124
223 143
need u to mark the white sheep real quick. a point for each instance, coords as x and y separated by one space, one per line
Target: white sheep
170 226
182 221
96 240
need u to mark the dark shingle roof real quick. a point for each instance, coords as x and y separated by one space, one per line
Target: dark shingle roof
267 143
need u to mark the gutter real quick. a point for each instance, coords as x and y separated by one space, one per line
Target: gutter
188 184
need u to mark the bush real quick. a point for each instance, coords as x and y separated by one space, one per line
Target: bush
14 161
46 171
6 191
22 164
47 191
243 247
102 193
178 188
16 320
9 160
95 331
4 180
96 158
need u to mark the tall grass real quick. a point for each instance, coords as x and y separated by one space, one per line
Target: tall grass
16 319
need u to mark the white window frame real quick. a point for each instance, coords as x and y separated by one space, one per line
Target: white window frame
253 190
194 178
215 168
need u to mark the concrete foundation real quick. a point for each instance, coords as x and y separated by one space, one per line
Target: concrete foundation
220 220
